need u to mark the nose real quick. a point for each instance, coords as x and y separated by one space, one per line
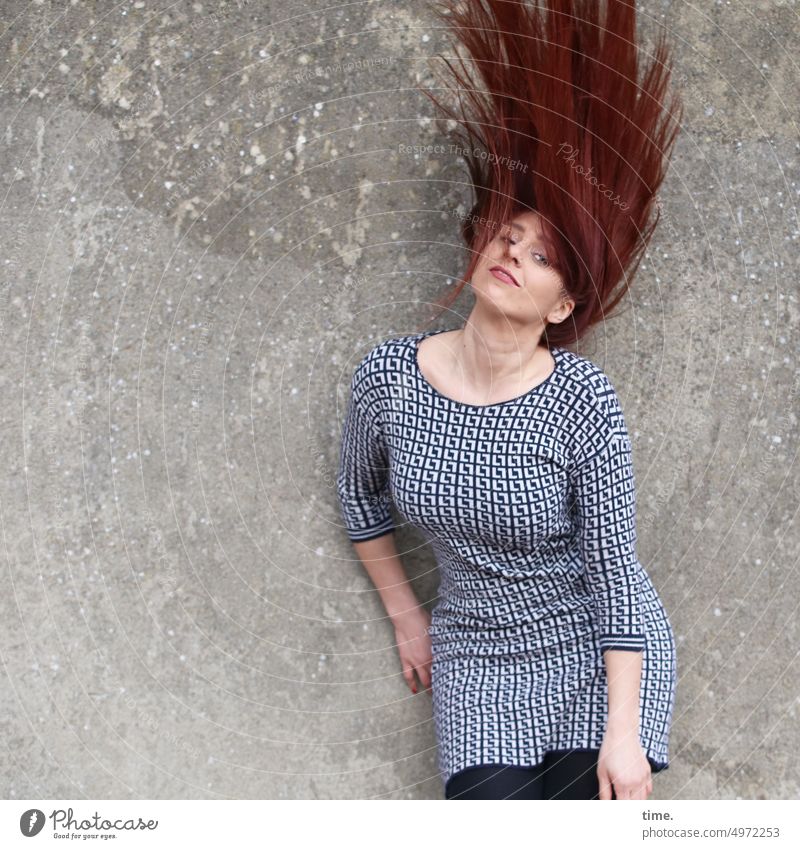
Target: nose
513 249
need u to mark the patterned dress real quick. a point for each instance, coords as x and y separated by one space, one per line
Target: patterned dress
529 507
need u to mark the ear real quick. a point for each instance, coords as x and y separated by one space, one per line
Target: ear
561 312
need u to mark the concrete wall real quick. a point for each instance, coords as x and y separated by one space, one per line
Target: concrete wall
208 217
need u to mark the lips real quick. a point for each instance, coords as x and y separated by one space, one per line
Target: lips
501 274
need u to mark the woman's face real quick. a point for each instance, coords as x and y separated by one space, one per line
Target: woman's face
535 295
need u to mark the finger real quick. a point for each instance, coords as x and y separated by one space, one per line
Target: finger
605 785
408 674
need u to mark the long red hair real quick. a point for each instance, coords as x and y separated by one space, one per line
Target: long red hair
560 116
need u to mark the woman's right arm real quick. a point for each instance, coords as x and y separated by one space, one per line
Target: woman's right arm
411 621
363 486
382 562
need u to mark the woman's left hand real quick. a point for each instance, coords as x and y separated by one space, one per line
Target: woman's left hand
623 764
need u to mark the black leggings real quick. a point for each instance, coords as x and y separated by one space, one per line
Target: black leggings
562 775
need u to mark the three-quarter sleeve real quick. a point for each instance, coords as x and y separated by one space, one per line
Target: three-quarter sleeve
363 475
605 512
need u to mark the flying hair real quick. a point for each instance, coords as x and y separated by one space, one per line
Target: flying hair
562 113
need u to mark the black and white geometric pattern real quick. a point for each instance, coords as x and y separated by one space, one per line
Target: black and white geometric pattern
529 507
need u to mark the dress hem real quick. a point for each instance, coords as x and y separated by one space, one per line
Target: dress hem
655 766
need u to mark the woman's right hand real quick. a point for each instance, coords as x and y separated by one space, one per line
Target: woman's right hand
411 629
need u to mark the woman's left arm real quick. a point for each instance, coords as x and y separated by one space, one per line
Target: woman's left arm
605 511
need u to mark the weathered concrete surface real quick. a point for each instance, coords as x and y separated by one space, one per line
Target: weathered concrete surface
207 219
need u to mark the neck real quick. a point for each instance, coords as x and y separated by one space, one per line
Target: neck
489 352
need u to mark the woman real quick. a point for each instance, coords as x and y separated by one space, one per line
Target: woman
550 657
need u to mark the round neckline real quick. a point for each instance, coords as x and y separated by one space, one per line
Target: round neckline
417 340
